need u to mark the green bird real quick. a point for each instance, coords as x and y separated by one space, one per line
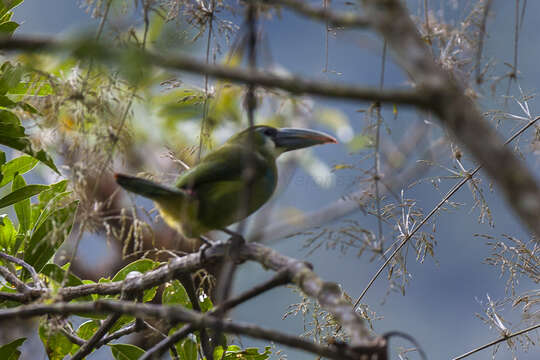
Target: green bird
229 183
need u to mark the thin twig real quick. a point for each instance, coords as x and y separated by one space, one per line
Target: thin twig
72 336
448 195
494 342
98 36
340 19
202 134
93 342
481 38
377 158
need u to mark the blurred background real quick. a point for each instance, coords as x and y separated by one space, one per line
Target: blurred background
437 300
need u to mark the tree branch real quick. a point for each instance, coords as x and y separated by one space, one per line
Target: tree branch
456 111
175 314
293 84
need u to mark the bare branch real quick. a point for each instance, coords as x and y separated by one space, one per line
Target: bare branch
292 84
175 314
456 111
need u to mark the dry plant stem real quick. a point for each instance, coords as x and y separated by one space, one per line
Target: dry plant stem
125 113
202 134
516 39
482 36
494 342
348 19
448 195
177 314
293 84
456 111
281 278
377 158
98 35
326 36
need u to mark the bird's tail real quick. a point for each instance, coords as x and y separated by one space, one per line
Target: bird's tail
146 188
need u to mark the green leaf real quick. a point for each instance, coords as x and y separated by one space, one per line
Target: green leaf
22 208
12 134
8 27
6 5
206 304
49 235
28 108
2 160
8 235
126 351
141 265
87 329
29 88
234 352
187 349
21 194
54 190
57 345
7 102
175 294
20 165
10 75
121 322
10 351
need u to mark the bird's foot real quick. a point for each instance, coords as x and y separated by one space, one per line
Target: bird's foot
207 244
235 238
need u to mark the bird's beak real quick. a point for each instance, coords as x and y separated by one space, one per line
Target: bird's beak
292 139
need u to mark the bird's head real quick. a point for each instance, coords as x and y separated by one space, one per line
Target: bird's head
280 140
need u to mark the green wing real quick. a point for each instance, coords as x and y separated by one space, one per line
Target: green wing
224 164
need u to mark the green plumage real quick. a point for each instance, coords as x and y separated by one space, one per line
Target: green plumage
214 194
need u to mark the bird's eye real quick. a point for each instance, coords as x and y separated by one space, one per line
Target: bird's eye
269 132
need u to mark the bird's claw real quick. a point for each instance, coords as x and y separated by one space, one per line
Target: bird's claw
207 244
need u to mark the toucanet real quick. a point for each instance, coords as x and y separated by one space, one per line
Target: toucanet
229 183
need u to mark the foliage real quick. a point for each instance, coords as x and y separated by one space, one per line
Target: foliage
98 103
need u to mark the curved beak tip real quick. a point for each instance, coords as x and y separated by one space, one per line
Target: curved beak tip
332 140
